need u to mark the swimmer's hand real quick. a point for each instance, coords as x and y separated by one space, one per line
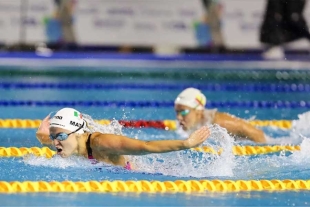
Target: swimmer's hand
43 132
44 127
197 137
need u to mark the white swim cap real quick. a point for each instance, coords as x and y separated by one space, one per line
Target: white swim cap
69 119
193 98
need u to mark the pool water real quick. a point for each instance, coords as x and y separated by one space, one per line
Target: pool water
112 96
288 198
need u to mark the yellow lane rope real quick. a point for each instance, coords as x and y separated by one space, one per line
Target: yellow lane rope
154 186
169 124
237 150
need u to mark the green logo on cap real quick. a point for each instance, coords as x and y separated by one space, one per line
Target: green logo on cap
77 114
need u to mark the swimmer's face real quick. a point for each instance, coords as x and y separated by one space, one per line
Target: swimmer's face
66 147
188 117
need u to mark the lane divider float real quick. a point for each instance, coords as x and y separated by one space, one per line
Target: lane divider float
261 87
157 104
237 150
154 186
158 124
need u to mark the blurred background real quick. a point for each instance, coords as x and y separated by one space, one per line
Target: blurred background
128 60
159 26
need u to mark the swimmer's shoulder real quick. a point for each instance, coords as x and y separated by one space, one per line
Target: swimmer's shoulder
221 116
209 115
96 137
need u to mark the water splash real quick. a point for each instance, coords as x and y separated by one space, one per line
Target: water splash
192 163
113 128
289 165
302 156
300 129
301 126
58 162
188 163
220 140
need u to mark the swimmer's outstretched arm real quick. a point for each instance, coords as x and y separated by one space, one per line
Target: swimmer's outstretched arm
42 133
239 127
121 145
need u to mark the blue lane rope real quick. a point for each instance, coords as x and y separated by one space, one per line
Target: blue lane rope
211 104
209 87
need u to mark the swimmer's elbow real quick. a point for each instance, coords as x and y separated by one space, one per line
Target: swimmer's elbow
261 138
253 133
40 136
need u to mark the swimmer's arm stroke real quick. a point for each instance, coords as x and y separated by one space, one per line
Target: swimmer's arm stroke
239 127
44 139
121 145
42 133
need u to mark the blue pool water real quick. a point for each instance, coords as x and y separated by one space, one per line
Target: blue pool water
185 165
290 198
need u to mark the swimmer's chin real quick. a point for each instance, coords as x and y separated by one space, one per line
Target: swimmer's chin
187 129
62 155
184 128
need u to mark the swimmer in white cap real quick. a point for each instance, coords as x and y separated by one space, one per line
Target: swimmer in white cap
70 133
192 114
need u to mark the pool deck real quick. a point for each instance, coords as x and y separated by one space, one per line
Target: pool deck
240 61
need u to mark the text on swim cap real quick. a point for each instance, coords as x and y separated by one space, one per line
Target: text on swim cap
58 117
75 124
57 124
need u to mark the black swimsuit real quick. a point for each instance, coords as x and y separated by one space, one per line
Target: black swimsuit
88 148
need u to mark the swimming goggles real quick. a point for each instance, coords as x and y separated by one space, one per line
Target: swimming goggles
184 112
63 136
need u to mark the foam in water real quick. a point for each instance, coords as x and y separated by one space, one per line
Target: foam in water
301 126
191 163
275 166
302 156
113 128
300 129
278 165
58 162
